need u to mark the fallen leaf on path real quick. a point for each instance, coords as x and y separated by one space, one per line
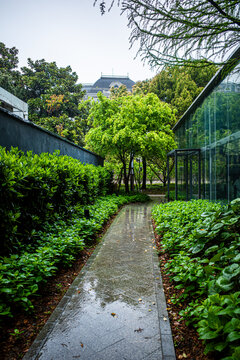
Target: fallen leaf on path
81 345
183 356
113 314
138 330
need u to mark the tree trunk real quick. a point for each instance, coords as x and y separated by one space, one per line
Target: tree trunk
125 178
120 180
144 180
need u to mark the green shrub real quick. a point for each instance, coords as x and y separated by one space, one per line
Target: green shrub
202 239
34 189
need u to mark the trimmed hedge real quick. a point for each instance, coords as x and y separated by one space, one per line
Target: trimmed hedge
34 189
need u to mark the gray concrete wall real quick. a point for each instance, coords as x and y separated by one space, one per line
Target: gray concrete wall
27 136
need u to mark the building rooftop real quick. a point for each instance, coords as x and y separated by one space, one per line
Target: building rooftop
107 81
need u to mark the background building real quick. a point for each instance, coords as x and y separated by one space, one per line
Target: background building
105 83
207 161
13 104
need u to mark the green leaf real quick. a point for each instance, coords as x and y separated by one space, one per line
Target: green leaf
232 325
217 226
228 311
217 257
231 271
208 335
224 283
211 249
196 249
214 321
236 353
7 290
233 336
220 346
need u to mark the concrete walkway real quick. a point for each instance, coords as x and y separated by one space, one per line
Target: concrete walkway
115 309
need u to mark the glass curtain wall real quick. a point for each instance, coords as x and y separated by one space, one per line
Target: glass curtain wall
214 127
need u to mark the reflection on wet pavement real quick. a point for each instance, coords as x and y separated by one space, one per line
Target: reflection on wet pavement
113 309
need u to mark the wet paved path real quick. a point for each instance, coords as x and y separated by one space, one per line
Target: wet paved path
115 308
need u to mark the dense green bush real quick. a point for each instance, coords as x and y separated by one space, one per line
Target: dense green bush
202 240
36 188
57 245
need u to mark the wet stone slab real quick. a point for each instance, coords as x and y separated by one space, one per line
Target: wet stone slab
115 308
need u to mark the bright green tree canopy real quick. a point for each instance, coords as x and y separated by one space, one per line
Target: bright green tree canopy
131 126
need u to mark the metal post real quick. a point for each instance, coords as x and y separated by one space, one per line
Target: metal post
190 178
132 175
168 178
199 174
187 177
176 177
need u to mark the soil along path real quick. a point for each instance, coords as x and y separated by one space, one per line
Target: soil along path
115 308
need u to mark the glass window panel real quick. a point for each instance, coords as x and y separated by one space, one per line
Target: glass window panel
214 127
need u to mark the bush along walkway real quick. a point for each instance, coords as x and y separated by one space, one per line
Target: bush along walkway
115 308
201 242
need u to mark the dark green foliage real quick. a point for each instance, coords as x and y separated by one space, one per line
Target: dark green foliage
57 245
54 98
10 77
180 85
181 195
36 188
202 239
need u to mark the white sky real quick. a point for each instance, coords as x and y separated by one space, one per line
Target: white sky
71 32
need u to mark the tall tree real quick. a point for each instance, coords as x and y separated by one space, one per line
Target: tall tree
53 96
10 78
42 80
8 58
177 31
177 85
130 126
52 93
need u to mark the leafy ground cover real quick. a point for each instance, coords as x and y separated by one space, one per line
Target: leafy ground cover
187 344
57 245
201 240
